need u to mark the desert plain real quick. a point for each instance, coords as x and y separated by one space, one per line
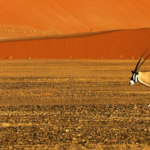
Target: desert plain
65 68
72 104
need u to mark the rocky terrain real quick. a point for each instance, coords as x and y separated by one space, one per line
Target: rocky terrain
72 104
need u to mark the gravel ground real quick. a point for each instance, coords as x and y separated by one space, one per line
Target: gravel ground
72 104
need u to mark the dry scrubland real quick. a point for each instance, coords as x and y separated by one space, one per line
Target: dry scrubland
72 104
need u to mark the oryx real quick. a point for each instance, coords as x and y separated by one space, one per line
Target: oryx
141 77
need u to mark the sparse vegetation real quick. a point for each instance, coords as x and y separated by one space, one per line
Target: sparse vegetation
10 57
80 104
28 57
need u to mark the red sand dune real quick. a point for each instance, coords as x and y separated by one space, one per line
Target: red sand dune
66 16
109 45
52 20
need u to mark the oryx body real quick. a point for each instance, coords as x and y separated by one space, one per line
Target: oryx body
141 77
144 78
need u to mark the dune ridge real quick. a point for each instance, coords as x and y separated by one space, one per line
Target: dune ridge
72 35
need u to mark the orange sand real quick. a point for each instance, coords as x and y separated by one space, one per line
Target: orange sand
65 16
109 29
109 45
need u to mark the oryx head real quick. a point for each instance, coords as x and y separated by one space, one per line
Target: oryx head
134 77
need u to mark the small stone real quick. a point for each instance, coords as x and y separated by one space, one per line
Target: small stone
73 138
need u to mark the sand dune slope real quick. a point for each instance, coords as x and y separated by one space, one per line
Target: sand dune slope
36 18
106 45
65 29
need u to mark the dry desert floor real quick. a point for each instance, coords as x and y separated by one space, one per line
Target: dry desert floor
72 104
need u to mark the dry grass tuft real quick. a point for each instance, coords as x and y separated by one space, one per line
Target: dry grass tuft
46 94
28 57
5 124
10 57
21 93
121 56
132 58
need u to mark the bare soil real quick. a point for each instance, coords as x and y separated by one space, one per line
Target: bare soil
72 104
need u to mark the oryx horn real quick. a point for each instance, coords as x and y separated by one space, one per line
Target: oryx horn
143 62
139 61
